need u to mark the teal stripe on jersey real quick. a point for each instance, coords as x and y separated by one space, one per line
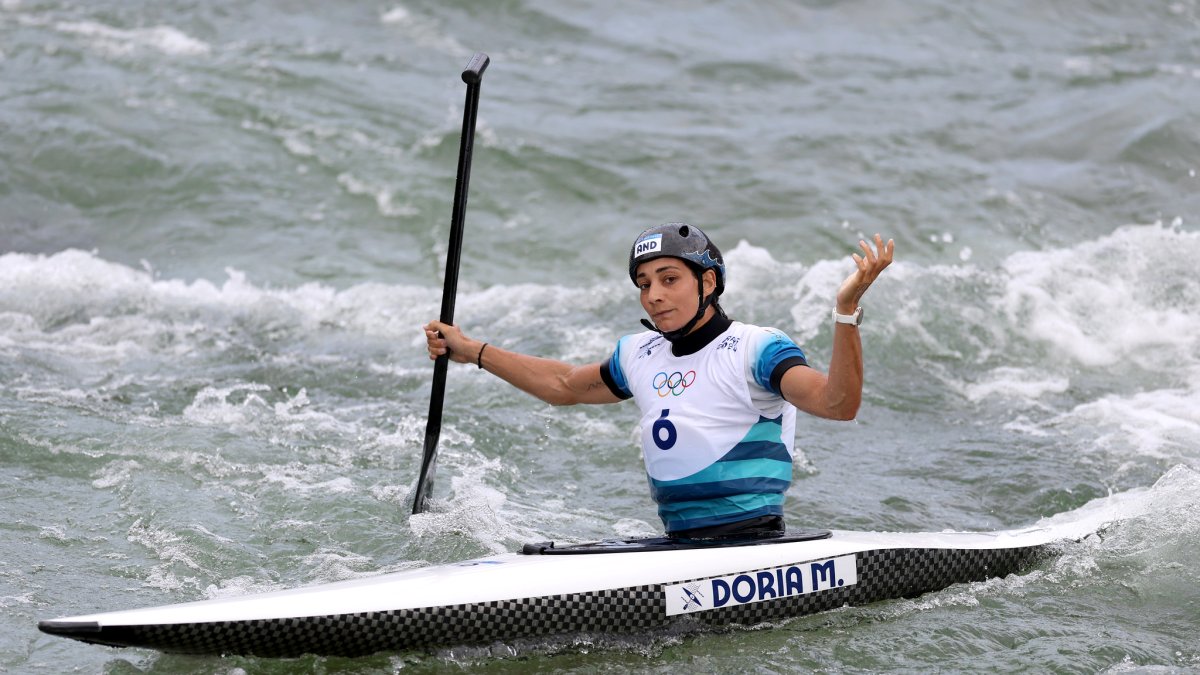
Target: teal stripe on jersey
724 471
765 430
708 512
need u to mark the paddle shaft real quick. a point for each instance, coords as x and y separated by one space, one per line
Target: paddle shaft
433 427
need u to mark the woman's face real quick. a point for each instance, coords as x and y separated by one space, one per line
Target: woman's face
668 291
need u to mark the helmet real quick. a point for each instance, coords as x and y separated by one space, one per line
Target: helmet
691 245
678 240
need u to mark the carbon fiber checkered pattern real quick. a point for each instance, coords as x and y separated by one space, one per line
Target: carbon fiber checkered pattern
882 574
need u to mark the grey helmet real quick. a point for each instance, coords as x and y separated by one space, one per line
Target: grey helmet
690 244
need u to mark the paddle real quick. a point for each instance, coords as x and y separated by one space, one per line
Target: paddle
433 428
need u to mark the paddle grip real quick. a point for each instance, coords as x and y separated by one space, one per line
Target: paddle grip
475 67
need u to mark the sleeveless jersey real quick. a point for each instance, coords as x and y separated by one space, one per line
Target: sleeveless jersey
717 436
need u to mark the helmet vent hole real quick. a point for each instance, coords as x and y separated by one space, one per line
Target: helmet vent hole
684 231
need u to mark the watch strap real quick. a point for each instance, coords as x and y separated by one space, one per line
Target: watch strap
854 319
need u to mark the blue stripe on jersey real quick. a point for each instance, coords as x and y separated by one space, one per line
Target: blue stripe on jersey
729 487
777 347
758 449
749 481
615 372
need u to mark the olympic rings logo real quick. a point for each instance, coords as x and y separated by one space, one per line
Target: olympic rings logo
673 384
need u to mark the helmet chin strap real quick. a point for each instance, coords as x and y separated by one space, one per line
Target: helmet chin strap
704 304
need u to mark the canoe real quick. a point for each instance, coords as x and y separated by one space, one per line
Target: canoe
618 586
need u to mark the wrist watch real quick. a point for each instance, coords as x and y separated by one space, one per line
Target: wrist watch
854 319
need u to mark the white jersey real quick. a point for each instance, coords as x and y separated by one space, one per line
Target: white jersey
717 436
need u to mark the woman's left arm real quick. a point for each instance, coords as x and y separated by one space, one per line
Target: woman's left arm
838 395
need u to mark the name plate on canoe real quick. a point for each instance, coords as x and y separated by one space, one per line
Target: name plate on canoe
770 584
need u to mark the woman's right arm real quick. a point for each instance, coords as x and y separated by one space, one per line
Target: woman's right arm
554 382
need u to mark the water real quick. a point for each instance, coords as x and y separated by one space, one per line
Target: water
222 224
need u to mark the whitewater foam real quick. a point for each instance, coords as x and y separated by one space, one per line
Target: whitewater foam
117 41
1130 295
1026 384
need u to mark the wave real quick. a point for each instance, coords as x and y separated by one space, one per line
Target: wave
1091 352
1036 325
1124 298
1094 347
117 41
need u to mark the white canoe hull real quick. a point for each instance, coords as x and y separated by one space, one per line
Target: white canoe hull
513 595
